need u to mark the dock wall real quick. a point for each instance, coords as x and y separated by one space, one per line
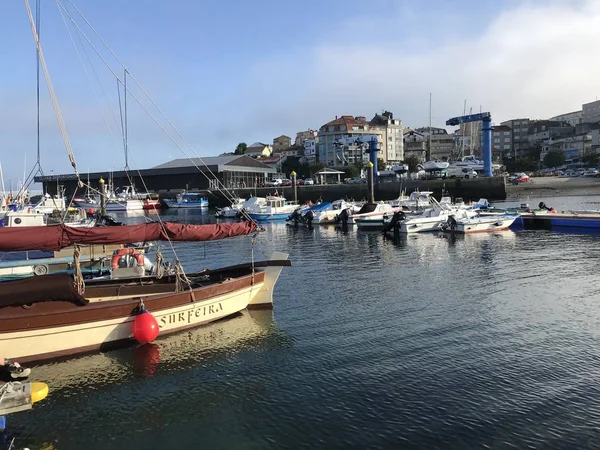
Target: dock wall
493 188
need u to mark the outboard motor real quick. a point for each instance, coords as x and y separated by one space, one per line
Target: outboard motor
295 216
398 216
343 217
451 224
308 217
542 205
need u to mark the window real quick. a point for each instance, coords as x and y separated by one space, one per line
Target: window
507 147
330 128
342 127
497 140
355 128
507 133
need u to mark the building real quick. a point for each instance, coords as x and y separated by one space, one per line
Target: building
573 118
173 176
501 141
415 145
595 140
573 147
439 145
310 150
258 149
591 112
281 143
302 136
542 130
520 136
393 136
389 132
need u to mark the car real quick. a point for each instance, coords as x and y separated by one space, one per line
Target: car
274 182
309 181
300 183
591 172
286 182
357 180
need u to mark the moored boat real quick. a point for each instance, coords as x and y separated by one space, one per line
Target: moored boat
104 317
187 200
480 224
274 208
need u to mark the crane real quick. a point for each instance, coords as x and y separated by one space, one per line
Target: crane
368 142
486 131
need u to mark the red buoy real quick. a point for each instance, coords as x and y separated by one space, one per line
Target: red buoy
145 327
91 211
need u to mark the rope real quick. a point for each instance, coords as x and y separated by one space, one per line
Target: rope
57 112
78 276
182 282
160 271
222 187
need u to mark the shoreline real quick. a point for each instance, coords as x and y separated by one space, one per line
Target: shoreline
554 187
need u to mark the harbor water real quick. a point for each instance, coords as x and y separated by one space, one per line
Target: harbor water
426 341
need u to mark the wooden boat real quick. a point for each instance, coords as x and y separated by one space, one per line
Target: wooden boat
46 317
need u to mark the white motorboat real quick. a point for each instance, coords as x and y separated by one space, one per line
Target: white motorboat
330 215
416 200
233 211
127 199
73 217
371 215
478 224
435 165
274 208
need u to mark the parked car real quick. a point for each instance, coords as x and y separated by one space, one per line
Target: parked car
357 181
286 182
275 182
309 181
300 182
591 172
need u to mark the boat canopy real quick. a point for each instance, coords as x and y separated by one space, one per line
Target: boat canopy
56 237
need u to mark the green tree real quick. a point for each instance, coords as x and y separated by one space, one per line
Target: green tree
380 164
290 164
351 171
591 157
554 158
314 168
412 162
241 148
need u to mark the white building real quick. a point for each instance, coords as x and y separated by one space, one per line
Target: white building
572 118
591 112
302 136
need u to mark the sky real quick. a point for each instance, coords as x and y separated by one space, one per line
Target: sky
241 71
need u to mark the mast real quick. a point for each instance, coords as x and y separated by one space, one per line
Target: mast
429 125
462 133
125 119
37 56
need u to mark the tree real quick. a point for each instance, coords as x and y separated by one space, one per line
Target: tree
412 162
351 171
290 164
380 164
241 148
314 168
554 158
591 157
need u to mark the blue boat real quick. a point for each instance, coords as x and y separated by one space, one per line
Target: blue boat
188 200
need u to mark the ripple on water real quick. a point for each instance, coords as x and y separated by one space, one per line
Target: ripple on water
426 341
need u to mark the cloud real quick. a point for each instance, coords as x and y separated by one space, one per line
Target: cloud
534 60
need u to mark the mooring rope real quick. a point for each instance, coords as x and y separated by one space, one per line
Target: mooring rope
160 271
78 276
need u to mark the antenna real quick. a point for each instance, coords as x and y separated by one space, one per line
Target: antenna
125 107
429 125
37 57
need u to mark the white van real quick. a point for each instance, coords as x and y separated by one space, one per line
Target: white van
461 172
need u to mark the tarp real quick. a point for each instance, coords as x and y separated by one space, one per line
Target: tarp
56 237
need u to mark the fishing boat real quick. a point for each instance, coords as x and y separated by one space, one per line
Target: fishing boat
73 217
479 224
151 201
187 200
60 320
275 208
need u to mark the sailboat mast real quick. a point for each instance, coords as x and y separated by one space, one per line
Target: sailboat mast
125 119
430 125
37 54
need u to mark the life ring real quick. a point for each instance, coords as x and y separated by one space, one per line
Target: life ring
139 258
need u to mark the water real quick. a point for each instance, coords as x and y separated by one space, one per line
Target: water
430 341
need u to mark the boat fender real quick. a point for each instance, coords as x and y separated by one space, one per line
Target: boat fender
145 326
139 258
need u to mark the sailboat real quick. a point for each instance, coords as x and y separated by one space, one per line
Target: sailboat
57 315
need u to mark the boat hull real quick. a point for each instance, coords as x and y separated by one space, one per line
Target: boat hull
267 216
482 225
186 205
55 329
421 227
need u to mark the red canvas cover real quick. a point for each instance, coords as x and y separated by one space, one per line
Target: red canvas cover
56 237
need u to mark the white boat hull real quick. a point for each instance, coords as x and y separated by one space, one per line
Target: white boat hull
422 226
483 225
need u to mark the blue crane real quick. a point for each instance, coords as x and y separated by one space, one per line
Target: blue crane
486 131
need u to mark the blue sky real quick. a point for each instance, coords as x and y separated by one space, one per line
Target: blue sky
236 71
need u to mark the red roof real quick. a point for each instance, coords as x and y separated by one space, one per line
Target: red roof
348 121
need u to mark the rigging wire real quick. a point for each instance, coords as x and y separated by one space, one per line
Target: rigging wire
228 195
